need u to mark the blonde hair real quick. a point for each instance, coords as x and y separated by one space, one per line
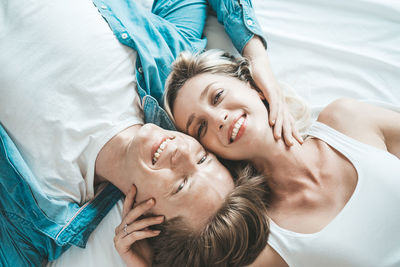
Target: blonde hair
234 236
215 61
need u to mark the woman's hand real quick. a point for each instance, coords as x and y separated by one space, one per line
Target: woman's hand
279 115
130 235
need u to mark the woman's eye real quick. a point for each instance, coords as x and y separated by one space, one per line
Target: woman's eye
180 187
217 96
201 128
203 159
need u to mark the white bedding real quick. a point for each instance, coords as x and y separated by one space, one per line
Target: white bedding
324 50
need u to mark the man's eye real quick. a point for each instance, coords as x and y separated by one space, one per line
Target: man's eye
203 159
217 96
180 187
201 128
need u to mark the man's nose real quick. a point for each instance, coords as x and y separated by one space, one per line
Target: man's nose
184 157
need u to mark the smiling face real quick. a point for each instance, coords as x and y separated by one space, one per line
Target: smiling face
178 173
224 113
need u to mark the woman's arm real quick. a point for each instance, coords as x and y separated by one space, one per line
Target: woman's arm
131 234
389 122
367 123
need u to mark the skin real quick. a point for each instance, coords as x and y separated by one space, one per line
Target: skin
184 176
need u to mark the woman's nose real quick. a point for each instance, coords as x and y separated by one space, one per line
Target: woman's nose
221 120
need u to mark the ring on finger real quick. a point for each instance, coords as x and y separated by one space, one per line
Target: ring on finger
125 229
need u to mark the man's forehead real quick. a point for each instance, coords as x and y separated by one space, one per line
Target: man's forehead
199 212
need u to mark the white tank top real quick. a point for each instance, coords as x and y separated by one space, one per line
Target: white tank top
366 232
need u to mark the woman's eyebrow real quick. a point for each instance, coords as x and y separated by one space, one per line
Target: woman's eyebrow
202 96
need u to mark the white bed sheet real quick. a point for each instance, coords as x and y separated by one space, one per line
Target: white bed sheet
330 49
324 50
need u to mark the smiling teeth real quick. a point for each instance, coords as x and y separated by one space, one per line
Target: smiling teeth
236 128
160 150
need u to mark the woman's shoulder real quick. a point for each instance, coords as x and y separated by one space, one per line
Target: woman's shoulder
340 112
354 119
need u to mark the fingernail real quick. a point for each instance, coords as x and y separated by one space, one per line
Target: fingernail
156 232
150 201
273 122
161 218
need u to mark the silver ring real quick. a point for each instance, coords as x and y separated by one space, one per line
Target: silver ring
125 229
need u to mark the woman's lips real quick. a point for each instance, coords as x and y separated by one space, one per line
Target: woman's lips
237 128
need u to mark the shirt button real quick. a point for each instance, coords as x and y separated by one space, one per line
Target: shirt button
104 7
124 36
140 70
249 22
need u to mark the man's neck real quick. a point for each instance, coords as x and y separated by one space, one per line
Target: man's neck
111 159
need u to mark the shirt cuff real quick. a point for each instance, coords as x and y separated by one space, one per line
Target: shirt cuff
243 25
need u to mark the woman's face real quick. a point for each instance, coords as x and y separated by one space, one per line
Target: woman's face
175 170
225 114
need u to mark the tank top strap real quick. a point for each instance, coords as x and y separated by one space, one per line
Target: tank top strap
346 145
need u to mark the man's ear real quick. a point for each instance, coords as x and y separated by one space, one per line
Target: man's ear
261 95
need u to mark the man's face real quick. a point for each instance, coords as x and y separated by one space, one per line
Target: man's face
175 170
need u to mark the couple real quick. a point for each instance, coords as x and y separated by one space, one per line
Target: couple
328 201
81 101
52 230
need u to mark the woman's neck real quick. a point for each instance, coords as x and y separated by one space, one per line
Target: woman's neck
111 160
290 169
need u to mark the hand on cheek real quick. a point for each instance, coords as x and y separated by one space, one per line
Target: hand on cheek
279 115
130 235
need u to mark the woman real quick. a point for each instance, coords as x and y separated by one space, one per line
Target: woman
329 196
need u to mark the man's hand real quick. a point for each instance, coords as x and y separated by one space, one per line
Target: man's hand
279 115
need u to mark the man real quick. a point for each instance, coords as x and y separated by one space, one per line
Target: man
67 89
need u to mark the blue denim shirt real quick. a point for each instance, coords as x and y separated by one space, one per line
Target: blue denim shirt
34 228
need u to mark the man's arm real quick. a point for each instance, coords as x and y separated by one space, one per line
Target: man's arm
279 115
240 23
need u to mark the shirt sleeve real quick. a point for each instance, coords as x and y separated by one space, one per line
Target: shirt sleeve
239 21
